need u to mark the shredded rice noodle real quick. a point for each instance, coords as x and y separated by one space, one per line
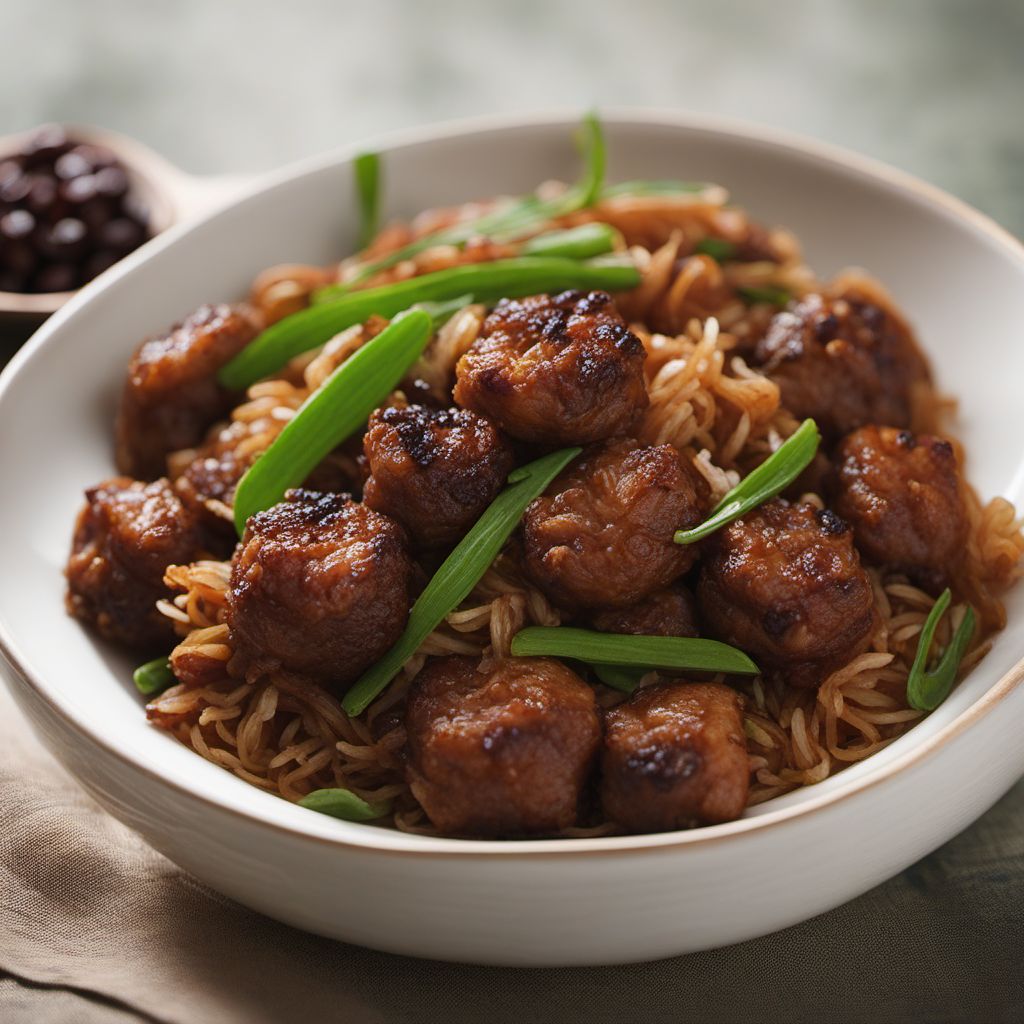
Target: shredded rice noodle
288 736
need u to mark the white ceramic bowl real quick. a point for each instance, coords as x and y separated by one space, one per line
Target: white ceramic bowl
542 902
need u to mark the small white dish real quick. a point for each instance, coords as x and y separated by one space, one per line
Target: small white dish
959 277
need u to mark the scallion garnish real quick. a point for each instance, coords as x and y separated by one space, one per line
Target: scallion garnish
510 220
460 572
337 409
153 677
618 677
579 243
344 804
629 651
522 275
366 168
767 293
926 690
441 312
776 473
719 249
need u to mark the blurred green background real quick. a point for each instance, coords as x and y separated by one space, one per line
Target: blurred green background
933 86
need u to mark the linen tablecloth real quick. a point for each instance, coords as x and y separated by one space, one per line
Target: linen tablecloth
97 927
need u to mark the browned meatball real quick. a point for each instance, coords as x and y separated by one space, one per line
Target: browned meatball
674 756
171 395
844 362
601 537
785 584
903 496
434 471
502 749
668 612
319 586
126 536
555 370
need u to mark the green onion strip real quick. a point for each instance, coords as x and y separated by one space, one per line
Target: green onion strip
335 411
511 278
366 169
153 677
719 249
770 294
629 651
776 473
459 573
511 219
579 243
926 690
344 804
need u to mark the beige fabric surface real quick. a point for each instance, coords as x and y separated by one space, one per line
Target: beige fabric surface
96 927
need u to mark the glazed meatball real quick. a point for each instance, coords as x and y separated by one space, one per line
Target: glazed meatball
674 756
502 749
319 586
434 471
555 370
126 536
668 612
601 537
843 362
903 497
172 396
218 465
785 584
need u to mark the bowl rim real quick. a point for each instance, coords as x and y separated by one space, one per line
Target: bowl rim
370 838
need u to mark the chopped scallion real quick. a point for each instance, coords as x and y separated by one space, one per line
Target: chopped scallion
511 278
344 804
629 651
366 168
926 690
767 293
775 474
579 243
153 677
719 249
460 572
337 409
510 220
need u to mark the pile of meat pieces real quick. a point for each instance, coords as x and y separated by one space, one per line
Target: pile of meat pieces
321 584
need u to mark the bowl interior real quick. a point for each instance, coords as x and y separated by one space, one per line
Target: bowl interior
959 279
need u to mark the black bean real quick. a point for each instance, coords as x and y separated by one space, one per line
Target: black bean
15 189
67 213
72 165
79 190
9 169
65 240
111 182
56 277
122 235
45 145
96 156
42 194
18 256
98 262
11 282
17 224
96 212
